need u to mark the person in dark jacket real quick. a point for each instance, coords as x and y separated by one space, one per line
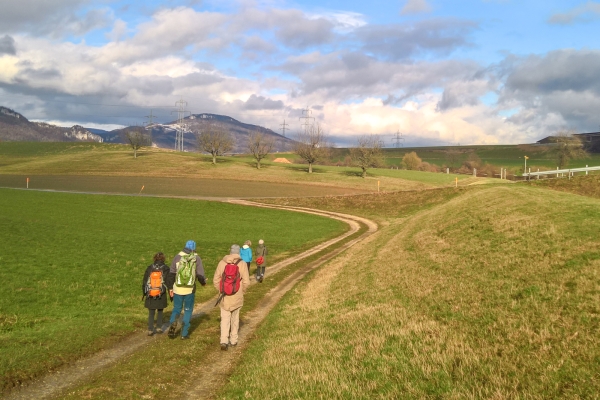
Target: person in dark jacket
183 293
158 302
261 255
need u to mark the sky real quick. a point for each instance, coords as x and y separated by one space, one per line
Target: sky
440 72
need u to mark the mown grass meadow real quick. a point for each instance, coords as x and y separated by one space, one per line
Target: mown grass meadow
494 293
72 265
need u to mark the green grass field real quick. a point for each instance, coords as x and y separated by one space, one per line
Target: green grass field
507 156
100 163
490 293
73 264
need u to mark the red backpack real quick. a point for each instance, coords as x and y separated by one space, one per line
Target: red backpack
230 280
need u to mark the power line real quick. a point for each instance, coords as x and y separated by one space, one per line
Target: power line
306 116
181 127
283 127
398 138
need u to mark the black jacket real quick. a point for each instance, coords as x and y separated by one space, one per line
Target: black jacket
161 302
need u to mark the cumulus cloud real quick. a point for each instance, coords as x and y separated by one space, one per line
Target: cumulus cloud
415 7
398 41
7 45
583 13
55 18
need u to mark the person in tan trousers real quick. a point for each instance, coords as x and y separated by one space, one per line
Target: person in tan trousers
231 305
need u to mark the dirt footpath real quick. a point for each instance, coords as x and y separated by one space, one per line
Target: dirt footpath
218 364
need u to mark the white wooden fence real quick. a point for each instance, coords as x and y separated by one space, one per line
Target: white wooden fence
561 172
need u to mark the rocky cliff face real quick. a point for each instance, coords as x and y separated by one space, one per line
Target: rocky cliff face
15 127
78 132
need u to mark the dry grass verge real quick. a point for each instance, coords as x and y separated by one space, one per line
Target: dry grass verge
493 294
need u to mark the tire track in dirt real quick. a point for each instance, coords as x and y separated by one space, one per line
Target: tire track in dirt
218 367
218 364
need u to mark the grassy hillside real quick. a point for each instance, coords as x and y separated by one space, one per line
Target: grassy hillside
73 265
492 294
24 159
584 185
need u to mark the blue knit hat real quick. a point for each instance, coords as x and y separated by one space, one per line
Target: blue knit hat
190 245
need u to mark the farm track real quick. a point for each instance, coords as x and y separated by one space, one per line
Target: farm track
218 364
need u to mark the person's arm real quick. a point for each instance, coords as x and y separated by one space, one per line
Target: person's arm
217 277
146 276
200 271
245 276
172 274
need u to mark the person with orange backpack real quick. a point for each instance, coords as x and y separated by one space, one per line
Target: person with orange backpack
155 288
231 280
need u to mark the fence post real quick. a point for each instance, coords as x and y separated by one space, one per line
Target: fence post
447 170
557 172
474 171
538 177
586 172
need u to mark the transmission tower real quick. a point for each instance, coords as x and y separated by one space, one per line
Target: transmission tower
398 139
181 127
306 116
150 119
283 127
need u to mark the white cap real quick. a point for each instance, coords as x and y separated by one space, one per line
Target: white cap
261 241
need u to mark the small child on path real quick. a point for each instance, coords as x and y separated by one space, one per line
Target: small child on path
261 260
155 290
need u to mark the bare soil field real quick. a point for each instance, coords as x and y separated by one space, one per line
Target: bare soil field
173 186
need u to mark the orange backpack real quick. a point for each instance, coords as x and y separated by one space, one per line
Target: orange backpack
155 286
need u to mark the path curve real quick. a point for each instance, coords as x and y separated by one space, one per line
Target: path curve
218 367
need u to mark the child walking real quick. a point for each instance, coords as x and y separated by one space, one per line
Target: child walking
155 290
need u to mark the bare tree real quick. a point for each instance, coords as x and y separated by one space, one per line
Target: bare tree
367 153
453 157
214 140
137 137
260 145
311 145
568 147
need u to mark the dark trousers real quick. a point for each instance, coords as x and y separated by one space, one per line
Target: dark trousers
151 319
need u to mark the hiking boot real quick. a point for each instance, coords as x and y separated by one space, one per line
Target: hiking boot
185 337
172 330
223 346
159 330
233 344
261 279
150 333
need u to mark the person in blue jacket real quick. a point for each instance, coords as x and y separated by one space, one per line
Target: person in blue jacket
246 253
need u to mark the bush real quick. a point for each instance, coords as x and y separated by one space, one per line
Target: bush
411 161
425 166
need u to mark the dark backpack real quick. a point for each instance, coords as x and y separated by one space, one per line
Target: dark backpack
230 280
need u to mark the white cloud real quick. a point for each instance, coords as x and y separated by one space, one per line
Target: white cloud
415 7
583 13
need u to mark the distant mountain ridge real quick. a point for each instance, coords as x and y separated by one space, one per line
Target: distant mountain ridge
15 127
163 135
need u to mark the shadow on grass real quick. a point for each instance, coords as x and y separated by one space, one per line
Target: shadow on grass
353 173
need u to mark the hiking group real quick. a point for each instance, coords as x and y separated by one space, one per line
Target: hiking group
231 280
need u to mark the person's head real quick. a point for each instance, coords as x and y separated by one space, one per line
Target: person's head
261 241
235 249
248 243
159 257
190 245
